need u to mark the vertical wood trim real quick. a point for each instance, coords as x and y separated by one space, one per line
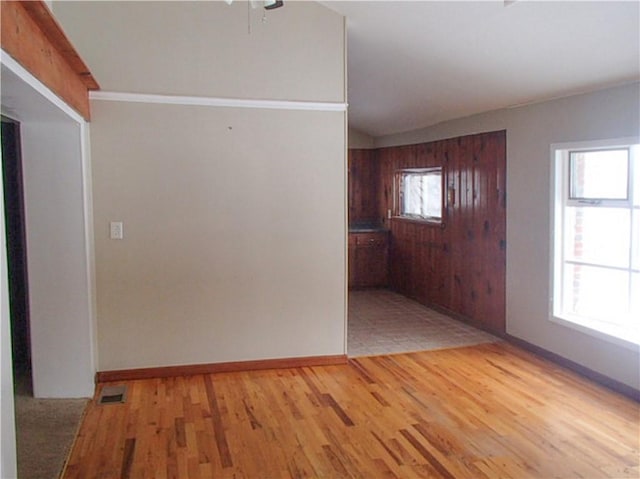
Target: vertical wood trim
32 37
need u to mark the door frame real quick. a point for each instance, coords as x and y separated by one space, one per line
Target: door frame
63 340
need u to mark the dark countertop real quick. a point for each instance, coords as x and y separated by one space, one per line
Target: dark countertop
366 228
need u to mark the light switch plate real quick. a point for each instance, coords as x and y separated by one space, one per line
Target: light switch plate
116 230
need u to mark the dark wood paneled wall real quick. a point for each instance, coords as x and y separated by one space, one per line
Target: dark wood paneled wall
460 265
363 186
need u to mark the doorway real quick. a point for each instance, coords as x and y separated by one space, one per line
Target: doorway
14 214
57 226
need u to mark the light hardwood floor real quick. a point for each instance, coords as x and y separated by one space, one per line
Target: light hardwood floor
489 410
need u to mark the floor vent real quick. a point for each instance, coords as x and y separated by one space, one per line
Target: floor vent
113 395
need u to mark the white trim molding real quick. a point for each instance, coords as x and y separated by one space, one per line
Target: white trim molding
218 102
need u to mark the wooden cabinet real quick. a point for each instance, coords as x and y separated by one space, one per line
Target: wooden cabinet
368 259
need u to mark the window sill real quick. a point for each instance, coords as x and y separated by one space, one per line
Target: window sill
434 223
628 338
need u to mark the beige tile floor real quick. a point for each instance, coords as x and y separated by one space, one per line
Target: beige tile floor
383 322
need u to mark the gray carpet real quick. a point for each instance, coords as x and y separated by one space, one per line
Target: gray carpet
45 430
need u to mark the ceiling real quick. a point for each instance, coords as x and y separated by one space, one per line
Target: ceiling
414 64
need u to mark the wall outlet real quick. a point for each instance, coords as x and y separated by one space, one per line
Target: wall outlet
116 230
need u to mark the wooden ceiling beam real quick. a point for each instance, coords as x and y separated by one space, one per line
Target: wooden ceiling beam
31 35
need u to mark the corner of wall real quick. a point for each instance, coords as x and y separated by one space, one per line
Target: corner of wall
360 140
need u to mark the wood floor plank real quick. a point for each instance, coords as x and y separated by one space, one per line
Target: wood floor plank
218 427
486 411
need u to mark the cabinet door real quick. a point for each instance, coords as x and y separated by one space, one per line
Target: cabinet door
373 263
371 259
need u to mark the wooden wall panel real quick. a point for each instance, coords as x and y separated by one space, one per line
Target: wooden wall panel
459 265
401 258
33 38
363 186
391 159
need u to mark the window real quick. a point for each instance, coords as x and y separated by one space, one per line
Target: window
419 193
596 274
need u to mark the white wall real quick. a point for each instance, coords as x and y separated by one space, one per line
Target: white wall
234 218
610 113
360 140
233 242
8 465
204 48
57 257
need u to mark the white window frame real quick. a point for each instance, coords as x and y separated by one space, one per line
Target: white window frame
560 199
399 190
